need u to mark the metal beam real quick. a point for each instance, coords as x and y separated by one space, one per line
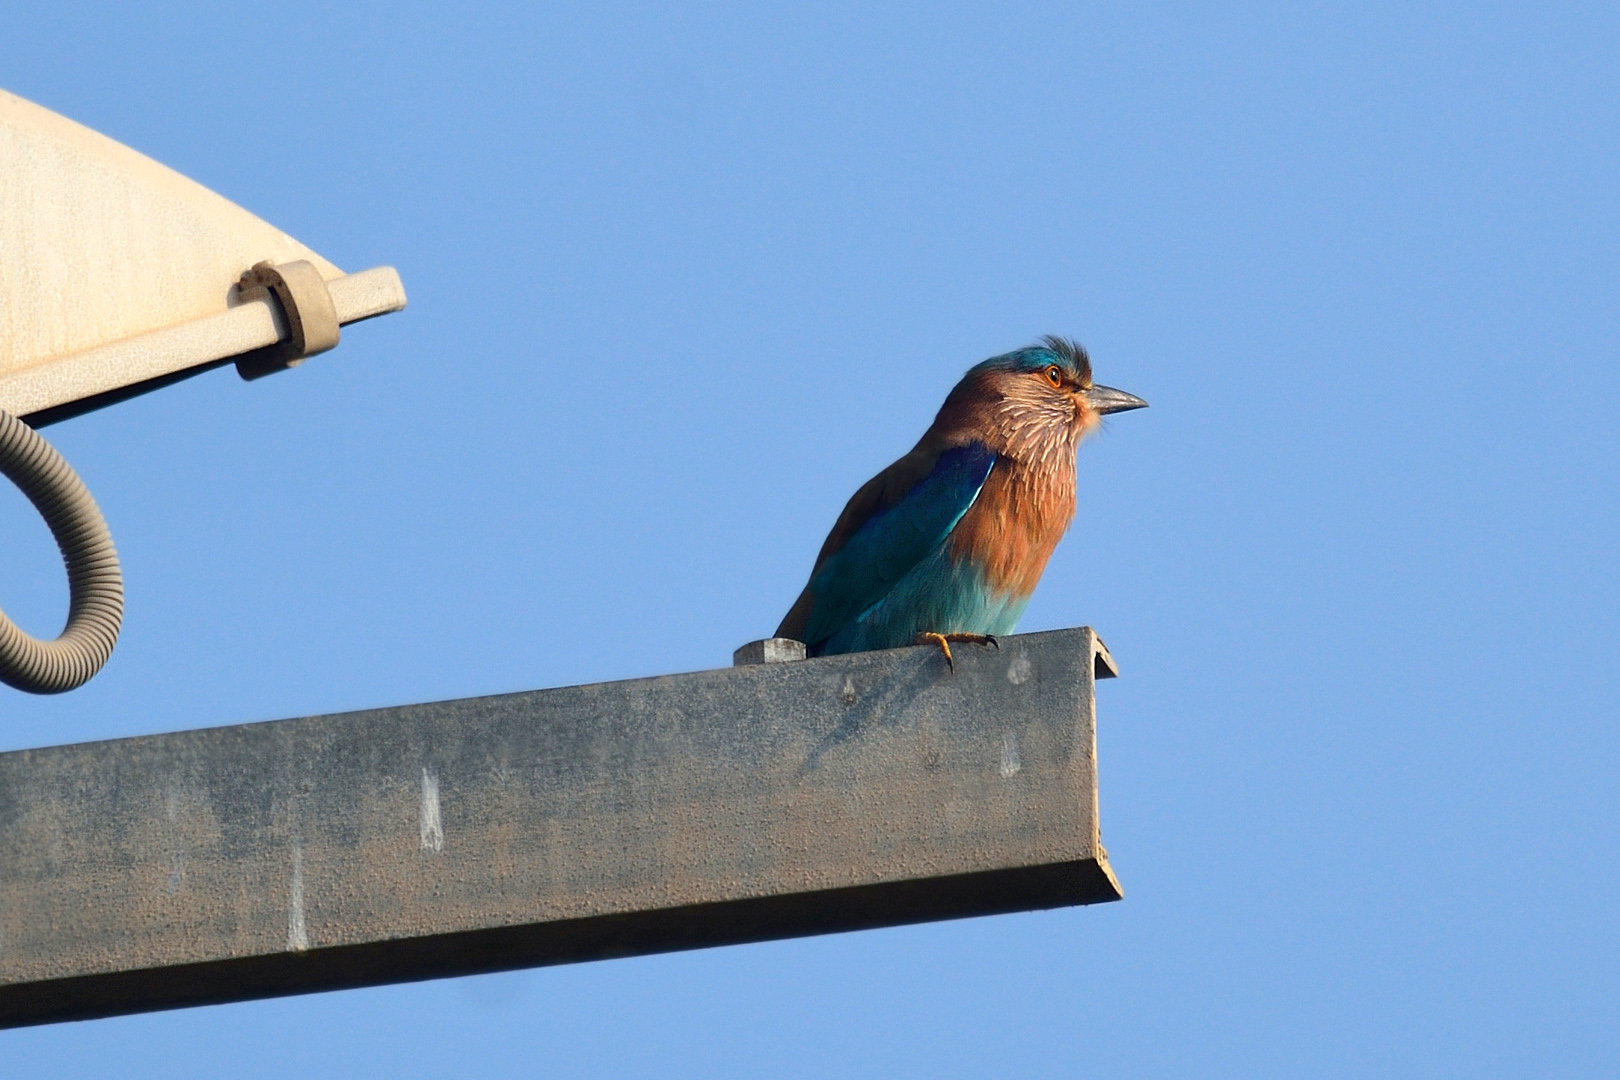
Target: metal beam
588 822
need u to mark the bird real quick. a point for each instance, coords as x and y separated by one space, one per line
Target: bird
948 543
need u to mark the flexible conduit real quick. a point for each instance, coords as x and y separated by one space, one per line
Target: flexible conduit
95 584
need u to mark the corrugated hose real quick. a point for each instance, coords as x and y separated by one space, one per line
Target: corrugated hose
95 583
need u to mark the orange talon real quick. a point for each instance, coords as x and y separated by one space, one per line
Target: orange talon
943 642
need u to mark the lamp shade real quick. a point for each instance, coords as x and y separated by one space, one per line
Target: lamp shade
116 270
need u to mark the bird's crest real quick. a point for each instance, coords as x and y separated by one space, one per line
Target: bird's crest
1034 358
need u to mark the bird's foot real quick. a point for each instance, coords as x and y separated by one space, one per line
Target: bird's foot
944 642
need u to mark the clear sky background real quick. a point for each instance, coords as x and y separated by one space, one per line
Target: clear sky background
681 279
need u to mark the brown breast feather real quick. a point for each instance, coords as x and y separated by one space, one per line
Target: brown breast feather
1012 529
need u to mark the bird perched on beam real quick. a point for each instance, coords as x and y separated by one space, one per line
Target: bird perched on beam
948 542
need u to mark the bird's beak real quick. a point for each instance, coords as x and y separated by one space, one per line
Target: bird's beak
1105 399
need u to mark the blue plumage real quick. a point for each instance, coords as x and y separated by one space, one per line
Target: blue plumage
951 595
896 554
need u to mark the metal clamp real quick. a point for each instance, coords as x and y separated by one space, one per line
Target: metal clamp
306 303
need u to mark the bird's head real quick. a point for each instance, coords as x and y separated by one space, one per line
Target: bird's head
1037 398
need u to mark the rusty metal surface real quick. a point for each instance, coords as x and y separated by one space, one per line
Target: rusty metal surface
740 804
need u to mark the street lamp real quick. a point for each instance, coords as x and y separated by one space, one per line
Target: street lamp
119 276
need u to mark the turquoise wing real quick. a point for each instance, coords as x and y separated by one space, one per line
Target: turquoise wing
894 540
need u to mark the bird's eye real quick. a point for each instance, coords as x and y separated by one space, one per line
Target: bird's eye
1054 375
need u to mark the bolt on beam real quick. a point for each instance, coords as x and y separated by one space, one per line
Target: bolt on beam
766 801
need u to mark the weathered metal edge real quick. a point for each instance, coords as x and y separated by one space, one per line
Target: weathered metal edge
737 922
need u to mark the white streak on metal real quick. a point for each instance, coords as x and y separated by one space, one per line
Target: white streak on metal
297 937
432 832
1009 756
1019 670
177 866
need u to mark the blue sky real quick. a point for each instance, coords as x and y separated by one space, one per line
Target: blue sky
682 278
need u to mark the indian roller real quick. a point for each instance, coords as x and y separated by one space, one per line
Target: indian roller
948 542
